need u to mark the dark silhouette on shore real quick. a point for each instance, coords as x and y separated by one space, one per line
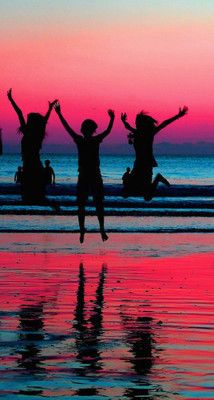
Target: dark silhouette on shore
125 177
89 178
142 137
89 330
33 131
18 177
49 174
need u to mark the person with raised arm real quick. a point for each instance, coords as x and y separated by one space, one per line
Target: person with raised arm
89 178
33 131
142 138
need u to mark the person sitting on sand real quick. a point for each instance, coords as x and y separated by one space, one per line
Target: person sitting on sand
49 174
18 175
90 178
142 137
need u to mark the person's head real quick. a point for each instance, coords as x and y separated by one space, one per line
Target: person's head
36 124
20 169
128 169
88 127
47 163
143 120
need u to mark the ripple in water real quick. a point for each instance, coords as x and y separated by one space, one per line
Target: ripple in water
106 326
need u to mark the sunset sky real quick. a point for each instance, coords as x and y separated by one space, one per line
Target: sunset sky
93 55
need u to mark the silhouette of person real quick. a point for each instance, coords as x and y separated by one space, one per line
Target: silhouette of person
49 174
125 177
33 130
90 178
1 143
142 138
18 175
31 335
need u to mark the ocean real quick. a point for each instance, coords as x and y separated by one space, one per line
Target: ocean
197 170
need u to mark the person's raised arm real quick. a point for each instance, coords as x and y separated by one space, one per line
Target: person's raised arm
181 113
16 108
126 124
50 108
102 135
67 127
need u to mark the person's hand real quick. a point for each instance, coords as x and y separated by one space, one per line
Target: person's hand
183 111
9 94
111 114
52 103
123 117
57 107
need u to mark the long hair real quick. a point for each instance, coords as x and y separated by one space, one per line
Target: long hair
35 127
144 120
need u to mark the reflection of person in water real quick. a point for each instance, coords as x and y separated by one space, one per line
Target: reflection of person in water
142 137
89 331
31 336
140 338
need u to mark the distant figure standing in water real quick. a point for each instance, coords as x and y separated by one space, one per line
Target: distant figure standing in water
49 173
1 143
142 137
89 179
125 177
33 130
18 175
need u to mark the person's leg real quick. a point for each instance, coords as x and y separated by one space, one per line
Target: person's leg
82 194
98 195
160 178
81 219
100 215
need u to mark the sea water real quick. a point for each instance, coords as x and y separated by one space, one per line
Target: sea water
198 170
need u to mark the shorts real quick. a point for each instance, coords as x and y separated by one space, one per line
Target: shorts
89 184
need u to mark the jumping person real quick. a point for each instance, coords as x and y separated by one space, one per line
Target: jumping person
33 131
142 137
90 178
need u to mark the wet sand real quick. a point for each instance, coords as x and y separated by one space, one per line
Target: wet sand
128 319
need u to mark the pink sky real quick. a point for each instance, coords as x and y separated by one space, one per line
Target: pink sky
122 57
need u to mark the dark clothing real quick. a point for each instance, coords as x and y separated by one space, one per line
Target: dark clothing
89 180
143 145
125 178
18 176
89 184
88 153
48 175
33 184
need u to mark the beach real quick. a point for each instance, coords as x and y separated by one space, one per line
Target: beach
131 318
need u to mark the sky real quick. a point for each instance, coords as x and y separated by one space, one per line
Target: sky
128 55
